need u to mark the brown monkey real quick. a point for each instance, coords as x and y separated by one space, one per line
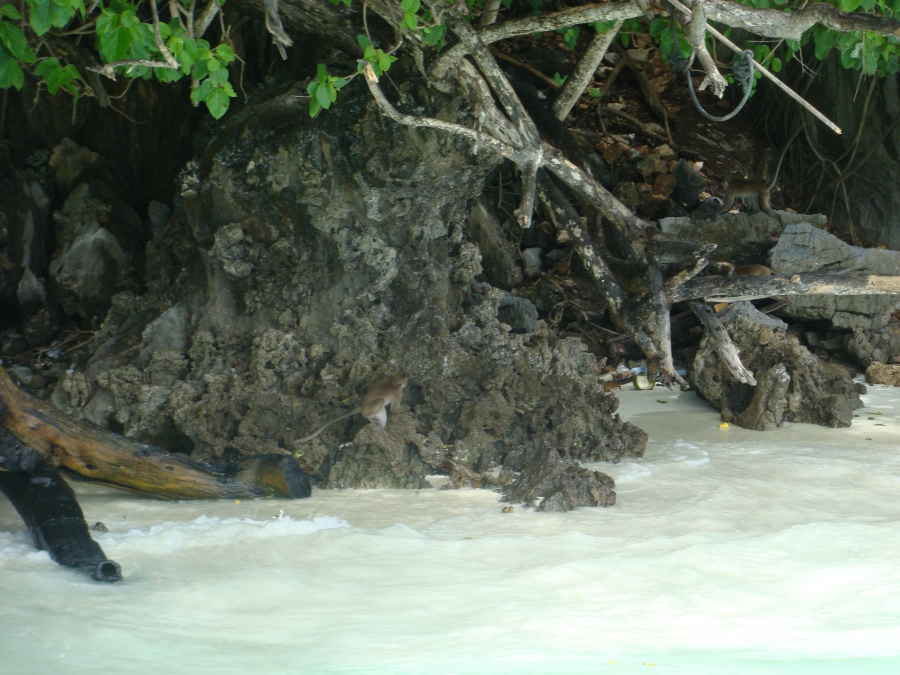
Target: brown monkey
372 406
754 270
758 192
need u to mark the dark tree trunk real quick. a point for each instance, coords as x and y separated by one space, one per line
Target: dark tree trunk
50 510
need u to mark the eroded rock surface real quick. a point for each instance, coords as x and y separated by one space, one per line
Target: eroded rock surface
304 260
802 248
793 385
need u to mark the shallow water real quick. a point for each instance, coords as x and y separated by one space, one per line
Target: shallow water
728 551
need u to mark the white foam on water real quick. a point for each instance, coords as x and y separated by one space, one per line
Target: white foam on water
728 551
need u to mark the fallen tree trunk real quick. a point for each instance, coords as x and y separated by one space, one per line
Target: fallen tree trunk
733 289
94 455
51 512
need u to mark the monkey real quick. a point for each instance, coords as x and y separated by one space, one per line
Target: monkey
754 270
372 406
758 192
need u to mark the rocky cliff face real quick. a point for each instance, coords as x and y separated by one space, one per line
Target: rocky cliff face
303 260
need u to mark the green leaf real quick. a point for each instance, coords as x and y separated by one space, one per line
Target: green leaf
219 77
385 60
11 74
434 35
39 18
410 6
363 42
200 92
14 40
217 102
410 20
324 96
224 53
7 11
314 107
56 76
824 40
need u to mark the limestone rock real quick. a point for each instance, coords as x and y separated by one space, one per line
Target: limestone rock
803 248
793 385
883 373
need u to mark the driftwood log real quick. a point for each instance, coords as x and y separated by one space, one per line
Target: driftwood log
93 455
51 512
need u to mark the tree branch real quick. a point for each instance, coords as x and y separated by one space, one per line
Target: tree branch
791 25
732 289
534 24
765 73
520 157
722 343
584 72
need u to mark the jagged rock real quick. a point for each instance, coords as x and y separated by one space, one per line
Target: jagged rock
519 314
559 485
305 259
803 248
497 259
739 237
72 164
97 240
531 261
875 345
793 385
883 373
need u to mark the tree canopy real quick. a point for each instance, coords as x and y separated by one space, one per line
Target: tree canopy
65 44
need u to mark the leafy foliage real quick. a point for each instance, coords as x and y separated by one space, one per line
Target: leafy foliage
125 37
323 90
123 33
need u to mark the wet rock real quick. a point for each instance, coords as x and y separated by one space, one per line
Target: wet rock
883 373
793 385
95 252
553 484
72 163
519 314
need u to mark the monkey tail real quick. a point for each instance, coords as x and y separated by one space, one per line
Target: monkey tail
328 424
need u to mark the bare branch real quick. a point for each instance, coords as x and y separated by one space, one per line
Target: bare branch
732 289
728 43
206 17
722 343
584 72
166 54
791 25
696 37
534 24
509 152
109 69
514 110
273 24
